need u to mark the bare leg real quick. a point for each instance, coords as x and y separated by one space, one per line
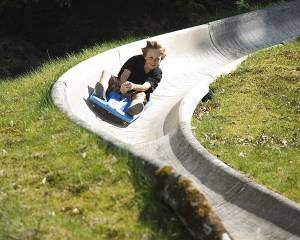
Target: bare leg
137 103
102 85
104 79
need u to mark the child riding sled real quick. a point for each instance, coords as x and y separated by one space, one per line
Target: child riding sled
138 77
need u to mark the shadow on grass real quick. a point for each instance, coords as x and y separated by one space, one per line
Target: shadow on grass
154 213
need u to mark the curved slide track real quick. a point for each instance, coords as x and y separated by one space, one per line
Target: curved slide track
162 135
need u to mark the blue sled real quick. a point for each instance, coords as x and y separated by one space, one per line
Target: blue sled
116 104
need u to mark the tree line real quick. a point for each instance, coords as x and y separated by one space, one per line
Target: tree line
61 26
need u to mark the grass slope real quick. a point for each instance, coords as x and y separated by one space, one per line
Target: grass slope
57 181
252 121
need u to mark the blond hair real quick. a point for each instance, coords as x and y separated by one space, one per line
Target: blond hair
156 46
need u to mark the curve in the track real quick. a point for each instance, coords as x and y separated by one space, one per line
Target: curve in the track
196 56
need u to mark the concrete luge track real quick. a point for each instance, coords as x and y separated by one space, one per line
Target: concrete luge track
162 135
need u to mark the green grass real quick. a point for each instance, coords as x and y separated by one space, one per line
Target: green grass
58 181
252 120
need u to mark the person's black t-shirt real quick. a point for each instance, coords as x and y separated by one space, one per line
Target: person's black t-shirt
136 66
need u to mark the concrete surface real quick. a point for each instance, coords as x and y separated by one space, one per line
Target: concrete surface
162 135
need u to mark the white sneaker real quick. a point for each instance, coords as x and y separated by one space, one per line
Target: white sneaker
135 109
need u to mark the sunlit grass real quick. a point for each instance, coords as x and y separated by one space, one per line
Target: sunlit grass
59 181
252 121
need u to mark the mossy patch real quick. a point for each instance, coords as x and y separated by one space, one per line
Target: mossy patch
164 171
189 204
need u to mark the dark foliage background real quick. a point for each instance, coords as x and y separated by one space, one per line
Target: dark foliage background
34 30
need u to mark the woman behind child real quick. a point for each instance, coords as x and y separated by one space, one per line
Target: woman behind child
138 77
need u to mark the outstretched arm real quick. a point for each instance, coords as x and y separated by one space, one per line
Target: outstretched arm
141 87
129 86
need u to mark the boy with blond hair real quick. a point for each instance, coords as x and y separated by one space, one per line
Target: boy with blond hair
138 77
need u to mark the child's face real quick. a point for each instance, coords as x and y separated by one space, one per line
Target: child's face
152 58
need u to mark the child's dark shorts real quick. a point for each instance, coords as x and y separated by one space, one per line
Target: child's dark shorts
114 84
